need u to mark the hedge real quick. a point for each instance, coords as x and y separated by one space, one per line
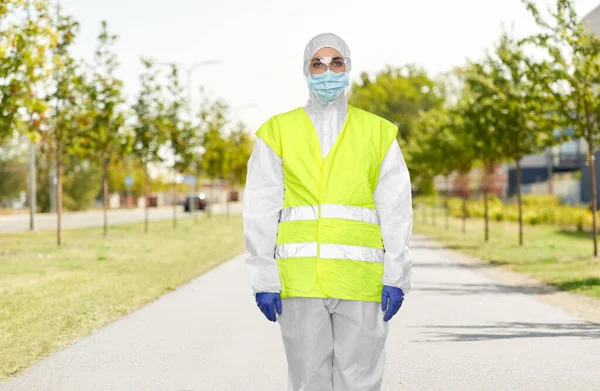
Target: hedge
537 209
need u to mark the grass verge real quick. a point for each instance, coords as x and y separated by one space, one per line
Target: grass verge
557 257
51 296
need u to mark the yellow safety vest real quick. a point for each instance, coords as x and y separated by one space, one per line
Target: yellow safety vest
329 242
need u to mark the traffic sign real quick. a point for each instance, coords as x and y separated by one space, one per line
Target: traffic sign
189 179
128 180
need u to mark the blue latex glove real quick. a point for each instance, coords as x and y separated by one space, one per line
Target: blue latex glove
268 302
395 296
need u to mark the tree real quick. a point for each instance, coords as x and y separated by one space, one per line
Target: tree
479 112
435 149
213 115
423 159
183 137
398 95
571 76
23 49
150 130
106 138
462 142
523 112
69 118
238 148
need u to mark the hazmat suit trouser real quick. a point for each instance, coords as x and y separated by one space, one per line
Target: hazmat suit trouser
333 344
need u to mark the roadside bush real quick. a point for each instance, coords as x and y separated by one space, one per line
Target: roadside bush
537 209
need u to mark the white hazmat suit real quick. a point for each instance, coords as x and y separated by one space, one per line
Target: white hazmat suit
313 329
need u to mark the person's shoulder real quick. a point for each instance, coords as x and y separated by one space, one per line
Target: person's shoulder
274 123
366 115
288 114
283 116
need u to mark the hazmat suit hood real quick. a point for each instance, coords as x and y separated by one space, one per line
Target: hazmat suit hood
327 118
340 104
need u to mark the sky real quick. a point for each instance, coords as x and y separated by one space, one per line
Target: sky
259 44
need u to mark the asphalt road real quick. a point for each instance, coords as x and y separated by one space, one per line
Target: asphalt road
47 221
458 330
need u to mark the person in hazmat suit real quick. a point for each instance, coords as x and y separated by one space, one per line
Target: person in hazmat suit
327 222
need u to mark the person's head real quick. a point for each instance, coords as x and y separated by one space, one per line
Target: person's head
327 59
328 46
327 66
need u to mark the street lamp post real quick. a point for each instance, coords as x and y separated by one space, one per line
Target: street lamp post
189 74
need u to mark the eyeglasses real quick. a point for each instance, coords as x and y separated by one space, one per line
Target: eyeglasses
320 65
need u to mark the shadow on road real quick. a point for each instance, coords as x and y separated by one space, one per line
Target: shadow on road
511 330
480 289
431 246
447 265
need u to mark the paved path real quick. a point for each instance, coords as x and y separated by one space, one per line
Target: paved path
458 330
47 221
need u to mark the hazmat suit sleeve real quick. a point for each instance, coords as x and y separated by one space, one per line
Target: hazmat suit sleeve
393 201
263 200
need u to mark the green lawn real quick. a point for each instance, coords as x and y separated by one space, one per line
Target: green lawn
51 296
558 257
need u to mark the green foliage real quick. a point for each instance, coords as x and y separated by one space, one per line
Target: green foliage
398 95
518 113
70 114
151 129
24 49
214 119
538 209
479 110
119 169
570 75
81 183
572 70
429 151
13 170
106 136
183 136
238 150
540 200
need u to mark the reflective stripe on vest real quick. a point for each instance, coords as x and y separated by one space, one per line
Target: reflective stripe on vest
330 211
330 251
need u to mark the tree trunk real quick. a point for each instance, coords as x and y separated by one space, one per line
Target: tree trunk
464 215
209 209
487 215
594 198
227 203
175 202
433 210
194 189
146 191
520 202
446 203
32 187
59 198
105 193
